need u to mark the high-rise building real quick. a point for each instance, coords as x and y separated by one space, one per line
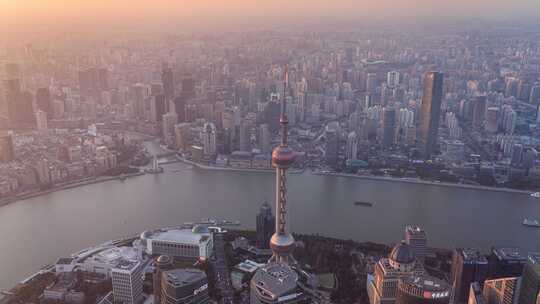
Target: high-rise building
208 139
41 120
392 79
169 120
492 120
182 134
534 96
138 93
430 112
416 238
332 144
127 282
479 111
163 263
167 80
180 108
43 101
266 225
400 263
422 289
389 127
502 291
6 147
264 138
352 145
468 266
530 280
157 108
505 262
475 294
184 286
371 82
188 88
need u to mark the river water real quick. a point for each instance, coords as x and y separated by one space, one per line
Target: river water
36 231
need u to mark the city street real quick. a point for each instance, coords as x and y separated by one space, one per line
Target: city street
223 279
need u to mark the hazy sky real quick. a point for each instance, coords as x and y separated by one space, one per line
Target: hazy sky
65 13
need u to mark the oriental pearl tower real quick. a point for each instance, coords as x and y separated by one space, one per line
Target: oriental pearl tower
283 157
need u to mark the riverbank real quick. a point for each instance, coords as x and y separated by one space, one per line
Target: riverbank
368 177
206 167
64 186
424 182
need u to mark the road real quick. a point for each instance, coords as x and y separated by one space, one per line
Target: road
223 278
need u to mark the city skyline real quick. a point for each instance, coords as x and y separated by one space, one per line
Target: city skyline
399 143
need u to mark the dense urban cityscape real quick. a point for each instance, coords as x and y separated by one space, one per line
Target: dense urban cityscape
456 108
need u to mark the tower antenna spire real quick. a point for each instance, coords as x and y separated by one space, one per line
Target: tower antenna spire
283 120
283 157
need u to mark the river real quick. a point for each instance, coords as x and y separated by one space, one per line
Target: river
37 231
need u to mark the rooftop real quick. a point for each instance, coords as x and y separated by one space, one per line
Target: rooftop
189 236
415 231
126 265
180 277
534 257
508 254
276 278
472 256
249 266
115 255
427 283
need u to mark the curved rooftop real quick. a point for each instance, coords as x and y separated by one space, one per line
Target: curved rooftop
402 253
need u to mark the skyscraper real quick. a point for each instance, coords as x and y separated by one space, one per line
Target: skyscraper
389 127
168 83
157 107
184 286
430 112
475 294
182 132
43 101
479 111
352 146
392 79
127 282
208 139
530 284
492 120
264 138
180 108
468 266
505 262
332 144
169 121
502 291
400 263
416 238
266 225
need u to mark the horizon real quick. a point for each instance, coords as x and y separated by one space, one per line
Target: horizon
31 17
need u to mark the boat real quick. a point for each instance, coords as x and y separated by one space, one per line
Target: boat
536 194
363 204
531 223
